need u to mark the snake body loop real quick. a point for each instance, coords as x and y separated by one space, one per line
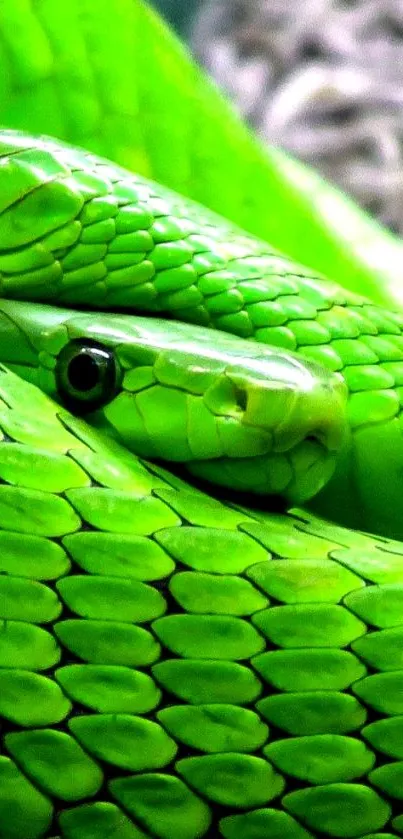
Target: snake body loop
174 664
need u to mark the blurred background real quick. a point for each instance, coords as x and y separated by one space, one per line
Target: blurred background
321 78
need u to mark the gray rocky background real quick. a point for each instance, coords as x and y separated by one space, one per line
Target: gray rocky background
321 78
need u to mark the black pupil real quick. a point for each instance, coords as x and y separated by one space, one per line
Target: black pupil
83 372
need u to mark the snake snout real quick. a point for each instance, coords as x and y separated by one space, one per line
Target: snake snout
289 428
318 414
312 434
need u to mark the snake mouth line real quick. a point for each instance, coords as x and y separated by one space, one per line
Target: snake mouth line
294 476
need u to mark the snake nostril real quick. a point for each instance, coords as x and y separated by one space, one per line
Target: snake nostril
241 398
318 437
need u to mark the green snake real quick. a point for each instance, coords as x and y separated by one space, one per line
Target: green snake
183 653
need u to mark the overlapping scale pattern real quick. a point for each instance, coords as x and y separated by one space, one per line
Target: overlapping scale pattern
115 240
200 670
122 86
118 241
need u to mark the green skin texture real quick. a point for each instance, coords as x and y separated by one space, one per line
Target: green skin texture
243 415
173 665
78 231
123 87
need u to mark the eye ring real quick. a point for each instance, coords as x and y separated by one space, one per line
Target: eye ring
87 375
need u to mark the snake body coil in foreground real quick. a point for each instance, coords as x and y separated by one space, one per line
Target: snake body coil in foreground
174 664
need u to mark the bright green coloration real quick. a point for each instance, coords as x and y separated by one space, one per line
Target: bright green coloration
174 666
241 415
214 715
121 85
321 757
215 728
257 417
41 753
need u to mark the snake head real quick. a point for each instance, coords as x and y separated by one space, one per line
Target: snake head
234 412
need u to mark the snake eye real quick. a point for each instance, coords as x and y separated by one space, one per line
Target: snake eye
87 375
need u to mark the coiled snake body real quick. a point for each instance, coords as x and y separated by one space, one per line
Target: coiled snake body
175 664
